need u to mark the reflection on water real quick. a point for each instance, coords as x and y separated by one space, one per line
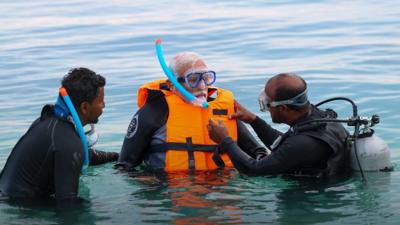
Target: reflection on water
190 196
345 48
219 197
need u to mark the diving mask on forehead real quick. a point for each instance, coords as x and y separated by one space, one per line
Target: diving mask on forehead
266 103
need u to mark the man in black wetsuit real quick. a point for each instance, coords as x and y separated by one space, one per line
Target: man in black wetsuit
170 134
47 160
307 149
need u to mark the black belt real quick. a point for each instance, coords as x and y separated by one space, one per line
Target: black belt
190 148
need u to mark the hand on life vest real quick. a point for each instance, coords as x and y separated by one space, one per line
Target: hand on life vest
217 132
242 114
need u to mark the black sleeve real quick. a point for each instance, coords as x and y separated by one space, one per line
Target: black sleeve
294 151
264 131
97 157
145 122
247 142
68 161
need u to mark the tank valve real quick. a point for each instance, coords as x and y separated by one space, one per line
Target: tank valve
374 120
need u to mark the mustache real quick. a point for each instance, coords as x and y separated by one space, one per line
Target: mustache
198 93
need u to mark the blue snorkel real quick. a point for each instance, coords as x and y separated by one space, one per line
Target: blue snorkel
78 126
171 77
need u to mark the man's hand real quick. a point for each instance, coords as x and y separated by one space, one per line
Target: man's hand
97 157
242 114
217 132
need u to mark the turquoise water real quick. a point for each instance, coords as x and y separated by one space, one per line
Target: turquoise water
341 48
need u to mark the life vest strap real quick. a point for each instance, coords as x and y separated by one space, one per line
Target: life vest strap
190 148
190 153
218 160
182 147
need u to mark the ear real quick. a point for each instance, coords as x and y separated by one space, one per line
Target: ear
84 108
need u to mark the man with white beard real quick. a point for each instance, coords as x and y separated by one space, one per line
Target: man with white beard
169 133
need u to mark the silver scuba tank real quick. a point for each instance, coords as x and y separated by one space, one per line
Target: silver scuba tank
373 153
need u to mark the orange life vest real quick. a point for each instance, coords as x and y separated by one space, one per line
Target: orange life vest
188 145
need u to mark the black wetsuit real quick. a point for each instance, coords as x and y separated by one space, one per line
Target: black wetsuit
148 127
47 160
312 150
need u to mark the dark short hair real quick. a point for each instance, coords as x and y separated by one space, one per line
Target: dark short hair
285 92
82 85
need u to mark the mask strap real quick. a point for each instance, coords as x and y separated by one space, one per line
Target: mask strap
293 101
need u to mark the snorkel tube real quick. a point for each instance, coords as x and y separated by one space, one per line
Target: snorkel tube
171 77
78 126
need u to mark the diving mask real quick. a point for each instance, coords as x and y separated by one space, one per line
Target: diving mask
91 135
193 79
266 103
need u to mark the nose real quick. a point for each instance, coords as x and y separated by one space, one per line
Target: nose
202 84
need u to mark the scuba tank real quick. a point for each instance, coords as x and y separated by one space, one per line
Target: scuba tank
373 152
368 152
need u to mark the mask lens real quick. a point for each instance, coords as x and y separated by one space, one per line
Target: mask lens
264 102
193 79
209 77
262 107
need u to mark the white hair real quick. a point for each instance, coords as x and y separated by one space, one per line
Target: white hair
184 59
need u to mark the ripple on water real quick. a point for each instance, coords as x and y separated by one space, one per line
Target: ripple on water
353 55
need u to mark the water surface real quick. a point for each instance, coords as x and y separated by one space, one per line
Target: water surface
341 48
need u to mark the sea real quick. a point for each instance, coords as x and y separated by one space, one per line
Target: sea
341 48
